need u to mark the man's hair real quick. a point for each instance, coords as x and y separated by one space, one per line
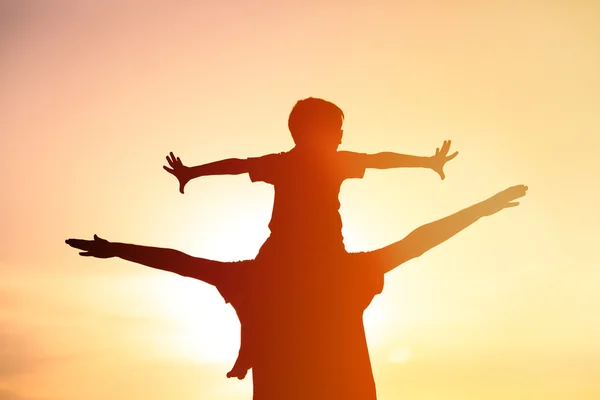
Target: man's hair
312 115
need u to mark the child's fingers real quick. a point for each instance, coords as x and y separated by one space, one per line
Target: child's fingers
450 157
445 147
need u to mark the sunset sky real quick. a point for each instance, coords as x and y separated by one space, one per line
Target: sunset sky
94 94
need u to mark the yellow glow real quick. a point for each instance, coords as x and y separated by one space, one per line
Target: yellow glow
94 95
400 355
205 329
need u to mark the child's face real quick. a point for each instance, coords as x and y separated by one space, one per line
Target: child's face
327 141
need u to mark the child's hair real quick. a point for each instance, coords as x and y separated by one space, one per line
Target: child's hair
312 115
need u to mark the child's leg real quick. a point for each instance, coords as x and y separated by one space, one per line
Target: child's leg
253 281
239 295
248 301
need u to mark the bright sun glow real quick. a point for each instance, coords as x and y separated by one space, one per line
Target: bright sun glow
400 355
206 329
375 320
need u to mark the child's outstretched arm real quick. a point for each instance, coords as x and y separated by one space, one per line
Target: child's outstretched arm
428 236
387 160
209 271
231 166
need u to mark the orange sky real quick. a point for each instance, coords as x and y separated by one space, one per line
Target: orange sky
96 93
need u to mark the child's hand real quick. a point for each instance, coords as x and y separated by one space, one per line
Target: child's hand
180 171
504 199
441 157
99 248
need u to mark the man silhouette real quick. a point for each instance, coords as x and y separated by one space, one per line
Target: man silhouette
310 342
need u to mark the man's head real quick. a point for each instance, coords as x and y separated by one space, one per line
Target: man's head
316 123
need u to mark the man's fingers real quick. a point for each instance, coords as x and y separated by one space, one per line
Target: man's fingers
86 254
508 196
519 194
78 243
517 191
169 170
522 187
169 161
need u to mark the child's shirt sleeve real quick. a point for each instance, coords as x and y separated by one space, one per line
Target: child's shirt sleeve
352 164
265 168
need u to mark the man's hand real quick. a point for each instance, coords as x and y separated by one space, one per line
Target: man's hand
99 248
504 199
441 157
180 171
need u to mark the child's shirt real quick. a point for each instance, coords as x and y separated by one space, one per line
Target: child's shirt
306 205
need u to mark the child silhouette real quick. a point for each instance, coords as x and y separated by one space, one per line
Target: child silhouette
307 181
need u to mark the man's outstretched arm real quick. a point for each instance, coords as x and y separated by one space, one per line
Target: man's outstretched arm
428 236
170 260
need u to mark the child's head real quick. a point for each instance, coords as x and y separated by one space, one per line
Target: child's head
316 122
